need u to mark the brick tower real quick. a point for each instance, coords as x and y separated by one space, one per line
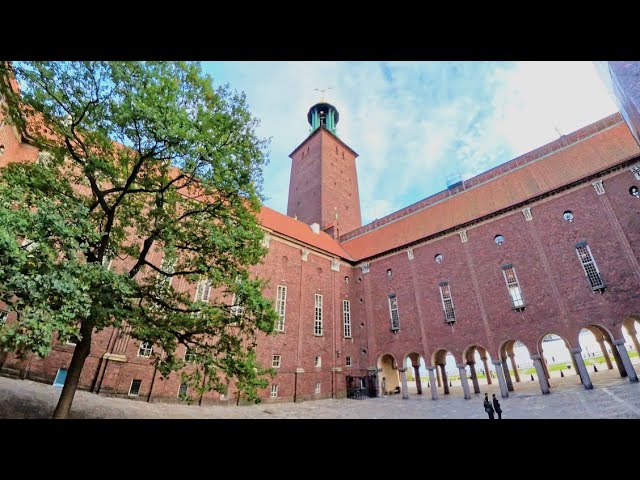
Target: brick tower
323 188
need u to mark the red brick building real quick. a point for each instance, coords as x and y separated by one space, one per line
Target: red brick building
547 243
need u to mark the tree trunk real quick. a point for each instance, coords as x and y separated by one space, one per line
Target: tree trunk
80 354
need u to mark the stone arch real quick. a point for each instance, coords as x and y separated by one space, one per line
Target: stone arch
516 363
478 361
414 364
444 360
558 360
388 374
604 337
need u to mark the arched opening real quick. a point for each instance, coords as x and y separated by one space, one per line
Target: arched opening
599 353
557 361
417 380
389 376
447 374
480 368
517 367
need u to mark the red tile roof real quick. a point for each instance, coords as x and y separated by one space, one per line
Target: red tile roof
297 230
523 178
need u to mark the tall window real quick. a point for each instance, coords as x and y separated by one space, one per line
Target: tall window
393 312
317 326
513 286
447 302
134 389
346 317
236 308
145 349
167 266
3 317
589 266
276 361
182 391
274 391
348 361
281 307
318 386
203 292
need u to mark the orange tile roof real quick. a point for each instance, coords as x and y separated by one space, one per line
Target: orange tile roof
524 178
297 230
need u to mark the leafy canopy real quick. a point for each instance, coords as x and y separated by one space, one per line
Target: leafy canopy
147 169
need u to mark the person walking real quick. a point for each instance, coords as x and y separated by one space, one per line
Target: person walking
496 407
384 386
487 406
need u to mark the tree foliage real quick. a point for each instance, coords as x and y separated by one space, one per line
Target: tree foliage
148 166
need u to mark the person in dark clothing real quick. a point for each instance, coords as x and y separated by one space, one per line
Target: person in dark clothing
487 406
496 407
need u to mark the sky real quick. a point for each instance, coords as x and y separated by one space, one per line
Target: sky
415 124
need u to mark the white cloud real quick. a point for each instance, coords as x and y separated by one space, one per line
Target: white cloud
415 123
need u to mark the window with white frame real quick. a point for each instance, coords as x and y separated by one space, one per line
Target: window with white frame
346 318
274 391
29 245
236 308
4 315
589 266
134 389
317 325
190 355
317 362
281 307
167 266
393 312
145 349
517 301
347 361
447 302
182 391
318 387
203 291
107 261
276 361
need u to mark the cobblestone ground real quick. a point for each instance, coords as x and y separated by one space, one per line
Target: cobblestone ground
612 397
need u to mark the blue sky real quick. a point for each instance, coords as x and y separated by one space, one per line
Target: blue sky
416 123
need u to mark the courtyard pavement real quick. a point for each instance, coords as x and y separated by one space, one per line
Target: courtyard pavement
612 397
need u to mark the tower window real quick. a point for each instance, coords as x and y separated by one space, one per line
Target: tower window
438 258
393 312
517 302
276 361
635 191
589 266
447 303
346 318
317 326
281 306
347 361
499 239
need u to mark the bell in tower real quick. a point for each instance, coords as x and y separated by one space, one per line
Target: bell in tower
325 115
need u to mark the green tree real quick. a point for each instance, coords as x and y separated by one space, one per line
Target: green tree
143 161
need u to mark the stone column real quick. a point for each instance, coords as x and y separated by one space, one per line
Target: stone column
618 359
544 385
516 374
634 338
507 375
605 354
445 382
416 369
575 367
438 375
432 382
464 381
503 384
543 362
403 378
487 372
474 377
626 361
582 369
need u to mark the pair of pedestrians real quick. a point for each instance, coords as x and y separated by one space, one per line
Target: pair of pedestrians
492 409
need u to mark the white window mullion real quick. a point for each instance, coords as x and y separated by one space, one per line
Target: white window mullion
346 315
317 328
